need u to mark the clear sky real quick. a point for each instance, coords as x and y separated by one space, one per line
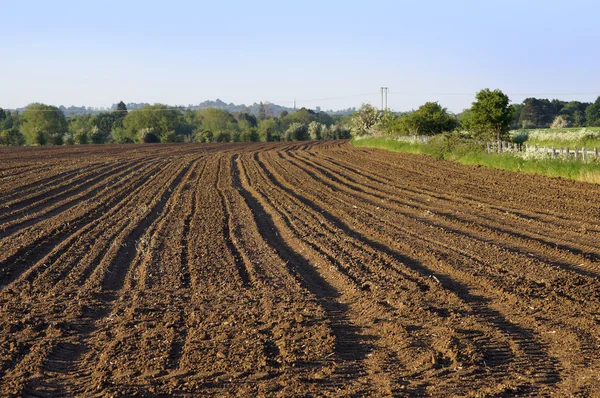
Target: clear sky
335 54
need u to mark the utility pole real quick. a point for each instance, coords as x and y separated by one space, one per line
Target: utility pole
384 95
294 103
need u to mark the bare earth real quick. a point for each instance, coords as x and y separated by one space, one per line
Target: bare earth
292 269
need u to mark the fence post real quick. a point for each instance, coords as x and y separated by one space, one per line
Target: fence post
568 153
488 148
562 152
584 153
596 152
576 152
553 152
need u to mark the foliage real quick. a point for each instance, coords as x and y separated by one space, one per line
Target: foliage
12 137
315 130
250 135
336 132
365 121
43 124
68 139
296 132
592 113
97 136
217 121
490 115
520 138
223 136
429 119
268 129
560 121
121 136
148 136
158 117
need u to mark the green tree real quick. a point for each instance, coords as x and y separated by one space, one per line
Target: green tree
43 124
158 117
302 116
296 132
122 108
262 112
592 114
218 120
491 114
250 135
148 136
267 129
120 135
429 119
12 137
97 136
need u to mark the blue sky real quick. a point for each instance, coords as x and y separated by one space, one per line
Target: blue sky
334 54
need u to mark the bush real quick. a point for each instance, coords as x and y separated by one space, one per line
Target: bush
203 136
12 137
171 136
148 136
223 136
520 137
121 136
40 138
451 145
81 137
296 132
68 139
56 139
315 130
98 136
250 135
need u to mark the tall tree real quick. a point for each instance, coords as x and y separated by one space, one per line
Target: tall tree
121 107
160 118
43 124
262 112
592 114
491 114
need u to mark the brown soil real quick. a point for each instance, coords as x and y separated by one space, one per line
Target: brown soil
299 269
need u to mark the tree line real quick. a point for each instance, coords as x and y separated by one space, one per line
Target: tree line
40 124
490 117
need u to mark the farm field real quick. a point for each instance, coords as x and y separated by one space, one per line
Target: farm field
292 269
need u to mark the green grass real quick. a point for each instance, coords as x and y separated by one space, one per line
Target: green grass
562 130
391 144
588 172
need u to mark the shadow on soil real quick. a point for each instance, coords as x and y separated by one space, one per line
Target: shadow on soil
351 345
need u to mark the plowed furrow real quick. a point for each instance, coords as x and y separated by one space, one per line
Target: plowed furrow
463 291
507 229
50 207
110 283
486 213
351 348
49 241
228 225
26 203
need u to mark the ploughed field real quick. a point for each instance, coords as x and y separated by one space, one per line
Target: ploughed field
292 269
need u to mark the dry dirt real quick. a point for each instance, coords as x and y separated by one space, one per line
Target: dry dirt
292 270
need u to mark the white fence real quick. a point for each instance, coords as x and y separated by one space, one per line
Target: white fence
565 153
